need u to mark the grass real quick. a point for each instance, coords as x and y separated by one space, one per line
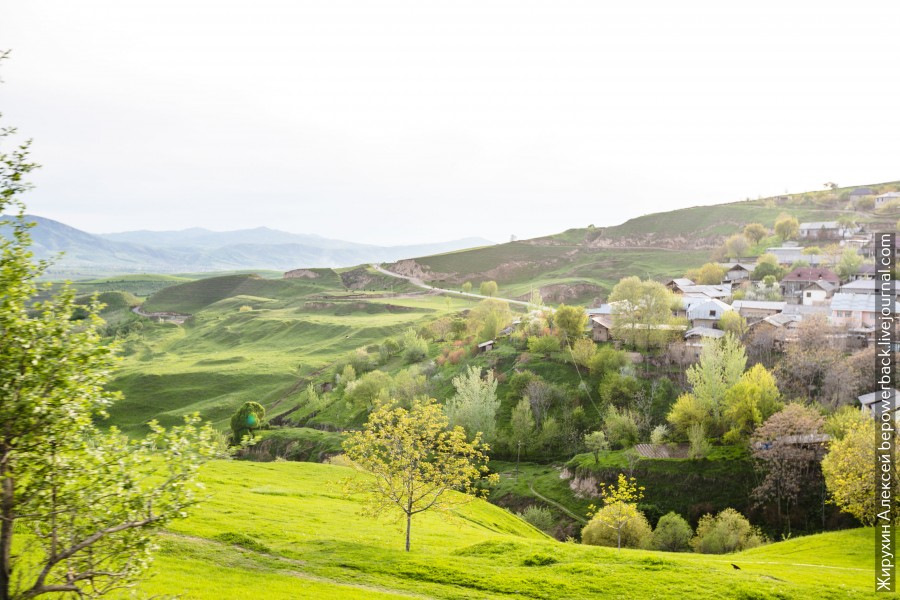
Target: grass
287 530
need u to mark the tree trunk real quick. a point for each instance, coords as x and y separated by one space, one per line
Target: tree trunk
408 525
6 526
619 539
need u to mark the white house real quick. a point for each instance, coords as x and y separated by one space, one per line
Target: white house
708 313
817 292
757 309
883 199
821 230
869 403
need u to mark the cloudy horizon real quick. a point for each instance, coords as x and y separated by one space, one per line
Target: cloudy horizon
405 122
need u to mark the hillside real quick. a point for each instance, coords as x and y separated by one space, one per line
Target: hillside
582 264
172 252
287 530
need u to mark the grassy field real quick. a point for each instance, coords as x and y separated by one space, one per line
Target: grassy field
250 339
287 530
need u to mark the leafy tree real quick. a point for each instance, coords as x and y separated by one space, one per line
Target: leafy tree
658 435
787 227
570 322
368 391
619 516
538 516
697 438
812 250
787 455
415 349
734 323
849 264
767 266
720 367
488 288
489 317
672 534
686 412
474 406
545 344
709 274
751 401
850 471
441 328
643 312
737 245
755 232
415 461
583 351
607 360
619 390
247 419
467 287
521 428
620 427
728 531
79 507
348 374
596 443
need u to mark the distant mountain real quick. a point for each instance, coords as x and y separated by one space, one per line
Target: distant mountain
201 250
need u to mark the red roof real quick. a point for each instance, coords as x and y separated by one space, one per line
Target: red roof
811 274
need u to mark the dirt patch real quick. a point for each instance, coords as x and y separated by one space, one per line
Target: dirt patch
301 274
559 293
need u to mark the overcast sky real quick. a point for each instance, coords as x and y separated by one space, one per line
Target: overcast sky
396 122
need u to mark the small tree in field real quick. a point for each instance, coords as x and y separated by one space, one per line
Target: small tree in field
467 287
619 506
596 442
415 460
488 288
246 420
78 506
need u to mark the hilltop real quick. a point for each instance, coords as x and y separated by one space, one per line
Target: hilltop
582 264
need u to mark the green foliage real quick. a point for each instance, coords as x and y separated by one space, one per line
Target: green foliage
643 313
596 442
488 288
620 427
850 471
488 318
849 264
733 323
728 531
709 274
369 390
737 245
700 446
607 360
467 287
248 418
570 322
755 232
545 344
474 405
631 531
619 390
787 227
583 352
415 349
672 534
538 516
752 400
521 427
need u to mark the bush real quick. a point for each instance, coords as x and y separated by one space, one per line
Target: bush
245 308
729 531
538 560
700 446
620 427
538 516
658 435
636 532
672 534
415 348
543 345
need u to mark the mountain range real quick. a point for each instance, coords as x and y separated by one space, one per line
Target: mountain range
201 250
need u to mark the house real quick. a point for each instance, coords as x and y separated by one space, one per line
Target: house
821 230
677 284
753 310
867 287
855 310
789 254
865 271
708 313
486 346
700 333
871 403
688 351
603 309
737 271
685 303
860 193
793 284
708 291
601 328
883 199
817 292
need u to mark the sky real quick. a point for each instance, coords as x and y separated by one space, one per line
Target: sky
403 122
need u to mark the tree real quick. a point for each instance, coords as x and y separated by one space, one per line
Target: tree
672 533
751 401
787 454
721 364
247 419
709 274
737 245
488 288
849 264
618 513
787 227
734 323
415 461
368 391
766 266
596 443
620 427
521 428
755 232
545 344
728 531
467 287
488 318
643 312
570 322
415 349
583 352
474 406
850 471
79 507
607 360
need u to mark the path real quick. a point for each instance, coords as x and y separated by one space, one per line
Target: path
170 317
419 283
540 496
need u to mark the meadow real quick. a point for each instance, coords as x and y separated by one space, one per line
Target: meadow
288 530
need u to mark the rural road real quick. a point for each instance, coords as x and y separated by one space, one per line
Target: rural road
419 283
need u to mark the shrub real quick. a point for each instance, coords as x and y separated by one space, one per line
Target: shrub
538 560
543 345
729 531
658 435
699 444
538 516
672 533
415 348
456 356
246 420
620 427
245 308
636 532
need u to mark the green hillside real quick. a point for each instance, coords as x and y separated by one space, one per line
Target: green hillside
287 530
